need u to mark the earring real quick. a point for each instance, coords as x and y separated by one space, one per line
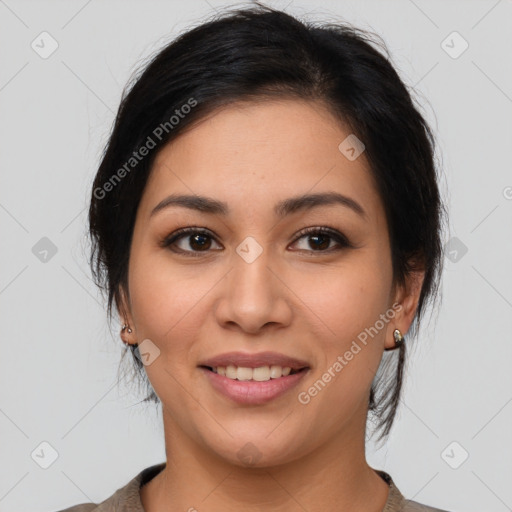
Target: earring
399 339
124 328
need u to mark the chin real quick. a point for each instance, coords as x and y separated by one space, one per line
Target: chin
258 453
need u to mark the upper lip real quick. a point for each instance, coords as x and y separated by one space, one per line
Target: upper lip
256 360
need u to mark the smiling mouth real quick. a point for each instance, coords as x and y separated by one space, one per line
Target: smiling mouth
260 374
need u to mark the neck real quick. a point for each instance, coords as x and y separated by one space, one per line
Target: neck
335 476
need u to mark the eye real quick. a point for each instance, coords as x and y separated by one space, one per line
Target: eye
321 238
197 239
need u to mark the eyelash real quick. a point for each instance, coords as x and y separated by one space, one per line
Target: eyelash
331 232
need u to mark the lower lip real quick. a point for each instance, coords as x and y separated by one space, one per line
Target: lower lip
250 392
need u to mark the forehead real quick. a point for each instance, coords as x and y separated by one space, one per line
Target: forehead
252 155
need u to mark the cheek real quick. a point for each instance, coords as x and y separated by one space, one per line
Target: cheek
165 308
346 299
166 299
349 302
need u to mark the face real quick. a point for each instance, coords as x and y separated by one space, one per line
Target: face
250 280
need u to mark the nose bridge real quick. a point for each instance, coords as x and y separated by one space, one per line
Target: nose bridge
252 298
251 278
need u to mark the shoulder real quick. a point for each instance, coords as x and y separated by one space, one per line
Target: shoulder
398 503
83 507
125 499
413 506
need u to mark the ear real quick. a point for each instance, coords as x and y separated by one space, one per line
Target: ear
122 299
407 296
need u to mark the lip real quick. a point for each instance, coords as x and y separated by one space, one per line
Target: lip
248 360
250 392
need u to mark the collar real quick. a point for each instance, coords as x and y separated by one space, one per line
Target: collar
127 498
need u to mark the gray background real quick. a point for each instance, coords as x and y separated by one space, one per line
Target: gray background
58 379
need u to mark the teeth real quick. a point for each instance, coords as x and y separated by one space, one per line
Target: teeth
261 374
243 373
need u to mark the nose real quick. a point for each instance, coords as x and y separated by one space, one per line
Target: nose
253 296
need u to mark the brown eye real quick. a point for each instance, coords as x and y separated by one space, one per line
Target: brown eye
189 240
320 239
198 242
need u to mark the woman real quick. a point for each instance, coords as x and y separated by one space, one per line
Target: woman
266 221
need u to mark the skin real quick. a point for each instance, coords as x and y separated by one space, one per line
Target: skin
295 299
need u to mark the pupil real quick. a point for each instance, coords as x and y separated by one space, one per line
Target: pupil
195 239
321 246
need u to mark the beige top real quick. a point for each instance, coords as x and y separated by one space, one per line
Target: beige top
127 498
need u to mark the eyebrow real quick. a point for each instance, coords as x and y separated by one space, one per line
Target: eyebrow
281 209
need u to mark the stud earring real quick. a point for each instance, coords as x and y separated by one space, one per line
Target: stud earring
124 328
399 340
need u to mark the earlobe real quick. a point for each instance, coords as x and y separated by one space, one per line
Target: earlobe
399 340
408 297
127 334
